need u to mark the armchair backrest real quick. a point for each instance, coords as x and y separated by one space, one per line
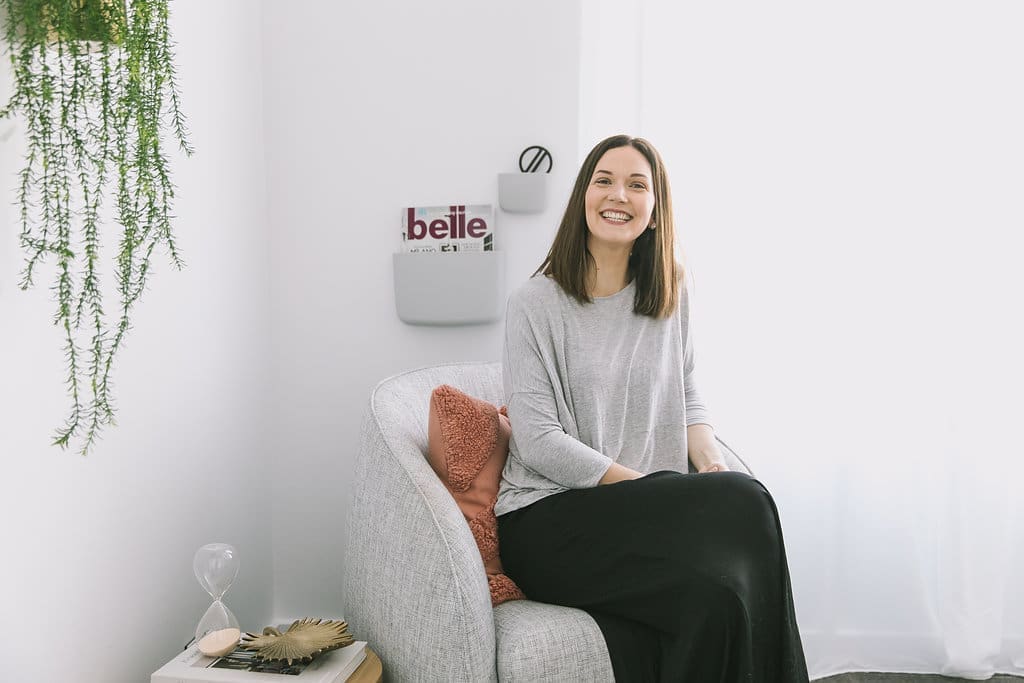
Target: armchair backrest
401 403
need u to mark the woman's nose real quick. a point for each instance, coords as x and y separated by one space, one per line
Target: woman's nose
617 193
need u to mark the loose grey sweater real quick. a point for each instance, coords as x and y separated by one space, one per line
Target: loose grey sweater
591 384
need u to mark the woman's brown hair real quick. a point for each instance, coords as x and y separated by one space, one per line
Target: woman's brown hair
652 262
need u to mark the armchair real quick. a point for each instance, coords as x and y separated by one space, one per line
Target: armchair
413 581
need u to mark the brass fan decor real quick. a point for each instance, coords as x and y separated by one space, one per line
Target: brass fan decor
304 640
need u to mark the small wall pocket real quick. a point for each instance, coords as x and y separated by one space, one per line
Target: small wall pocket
456 288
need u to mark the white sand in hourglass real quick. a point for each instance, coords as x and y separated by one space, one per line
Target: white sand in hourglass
219 643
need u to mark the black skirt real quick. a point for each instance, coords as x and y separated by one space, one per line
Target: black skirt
685 574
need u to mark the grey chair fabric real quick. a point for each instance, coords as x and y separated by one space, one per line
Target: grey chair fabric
414 585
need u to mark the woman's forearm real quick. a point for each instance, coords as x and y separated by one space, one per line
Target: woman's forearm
617 473
702 447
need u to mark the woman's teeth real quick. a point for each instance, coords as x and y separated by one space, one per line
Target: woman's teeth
617 216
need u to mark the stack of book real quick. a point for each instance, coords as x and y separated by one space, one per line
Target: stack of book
241 666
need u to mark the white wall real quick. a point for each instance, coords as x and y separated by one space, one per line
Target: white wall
847 180
372 107
96 578
611 68
249 367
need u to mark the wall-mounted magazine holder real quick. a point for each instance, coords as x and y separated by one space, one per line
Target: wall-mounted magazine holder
522 192
451 288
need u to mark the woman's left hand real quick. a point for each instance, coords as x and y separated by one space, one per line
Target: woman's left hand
703 449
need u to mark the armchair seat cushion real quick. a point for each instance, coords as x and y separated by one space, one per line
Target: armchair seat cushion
540 642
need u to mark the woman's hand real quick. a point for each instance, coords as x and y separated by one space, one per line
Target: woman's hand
704 453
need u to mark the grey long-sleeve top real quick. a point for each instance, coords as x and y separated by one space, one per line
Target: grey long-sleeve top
591 384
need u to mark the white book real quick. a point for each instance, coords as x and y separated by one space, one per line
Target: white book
192 666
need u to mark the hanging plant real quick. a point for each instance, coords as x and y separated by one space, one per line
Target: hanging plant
94 85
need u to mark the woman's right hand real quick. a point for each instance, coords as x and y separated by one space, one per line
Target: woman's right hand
617 473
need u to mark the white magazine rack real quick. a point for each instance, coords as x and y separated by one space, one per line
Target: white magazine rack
455 288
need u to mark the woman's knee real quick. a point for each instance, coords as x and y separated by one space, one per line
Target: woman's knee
736 516
743 492
681 495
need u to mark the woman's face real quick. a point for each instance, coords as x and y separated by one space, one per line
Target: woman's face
620 198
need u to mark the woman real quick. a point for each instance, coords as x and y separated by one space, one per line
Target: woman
686 575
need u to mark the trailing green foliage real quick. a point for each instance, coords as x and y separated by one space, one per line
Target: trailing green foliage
94 84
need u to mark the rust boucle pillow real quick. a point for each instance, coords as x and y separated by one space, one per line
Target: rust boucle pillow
467 447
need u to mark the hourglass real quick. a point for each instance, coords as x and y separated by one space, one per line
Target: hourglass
216 566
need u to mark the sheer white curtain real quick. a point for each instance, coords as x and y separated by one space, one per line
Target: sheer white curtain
849 188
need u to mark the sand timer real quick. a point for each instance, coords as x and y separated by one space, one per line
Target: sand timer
216 566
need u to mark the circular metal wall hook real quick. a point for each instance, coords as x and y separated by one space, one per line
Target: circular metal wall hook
533 158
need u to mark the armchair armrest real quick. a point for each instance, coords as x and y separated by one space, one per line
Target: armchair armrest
413 581
732 458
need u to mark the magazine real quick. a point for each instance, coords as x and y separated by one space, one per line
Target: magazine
457 227
241 666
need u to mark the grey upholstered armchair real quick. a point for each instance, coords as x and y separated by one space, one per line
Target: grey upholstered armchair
414 584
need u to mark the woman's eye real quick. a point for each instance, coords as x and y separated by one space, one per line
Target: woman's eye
602 181
638 186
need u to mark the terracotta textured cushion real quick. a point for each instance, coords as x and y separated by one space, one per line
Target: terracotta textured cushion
467 447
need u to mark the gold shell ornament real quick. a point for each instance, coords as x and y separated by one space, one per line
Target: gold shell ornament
304 639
